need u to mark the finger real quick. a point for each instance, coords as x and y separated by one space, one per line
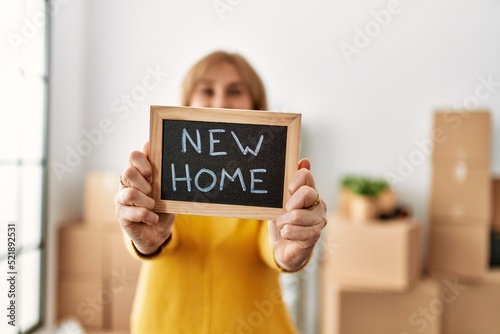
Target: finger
302 177
301 233
274 231
146 150
131 177
304 197
133 197
140 161
300 217
130 215
305 163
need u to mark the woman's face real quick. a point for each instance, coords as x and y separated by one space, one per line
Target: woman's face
221 87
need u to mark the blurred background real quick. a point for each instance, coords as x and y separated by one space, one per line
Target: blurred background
367 77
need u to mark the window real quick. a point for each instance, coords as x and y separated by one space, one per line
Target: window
23 133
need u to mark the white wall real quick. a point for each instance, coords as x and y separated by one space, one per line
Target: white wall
67 115
358 116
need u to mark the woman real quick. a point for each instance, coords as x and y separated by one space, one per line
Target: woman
210 274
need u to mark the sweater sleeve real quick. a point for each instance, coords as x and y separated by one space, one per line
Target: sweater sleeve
166 248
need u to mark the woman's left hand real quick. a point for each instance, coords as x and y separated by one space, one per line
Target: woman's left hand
294 234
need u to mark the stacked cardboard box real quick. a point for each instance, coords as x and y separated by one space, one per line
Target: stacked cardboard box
460 201
375 255
354 311
462 217
80 272
459 250
120 278
99 199
471 308
97 276
365 287
371 278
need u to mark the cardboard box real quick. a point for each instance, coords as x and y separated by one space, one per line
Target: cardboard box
118 262
473 308
461 189
80 252
351 311
495 204
120 277
462 135
459 250
446 220
382 255
100 191
97 276
83 300
121 309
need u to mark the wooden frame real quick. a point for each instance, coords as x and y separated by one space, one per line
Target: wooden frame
232 116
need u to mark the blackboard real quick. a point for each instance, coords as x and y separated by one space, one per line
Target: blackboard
222 162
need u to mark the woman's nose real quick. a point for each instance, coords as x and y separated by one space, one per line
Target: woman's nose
220 101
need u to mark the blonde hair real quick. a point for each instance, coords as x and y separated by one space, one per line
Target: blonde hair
250 78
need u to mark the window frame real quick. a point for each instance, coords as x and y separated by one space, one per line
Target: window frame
19 163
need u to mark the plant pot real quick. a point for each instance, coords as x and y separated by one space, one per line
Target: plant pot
387 201
344 202
362 208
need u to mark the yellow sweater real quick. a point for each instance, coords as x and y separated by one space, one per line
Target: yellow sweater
216 275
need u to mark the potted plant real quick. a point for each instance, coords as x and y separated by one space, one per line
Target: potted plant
345 194
363 198
387 200
363 204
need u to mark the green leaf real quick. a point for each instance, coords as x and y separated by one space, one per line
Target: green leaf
364 186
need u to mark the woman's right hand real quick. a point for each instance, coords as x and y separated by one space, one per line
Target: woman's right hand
133 206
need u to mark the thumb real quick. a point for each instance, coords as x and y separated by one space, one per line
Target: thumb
304 163
145 149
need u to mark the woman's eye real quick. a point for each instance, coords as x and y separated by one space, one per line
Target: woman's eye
207 91
234 92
